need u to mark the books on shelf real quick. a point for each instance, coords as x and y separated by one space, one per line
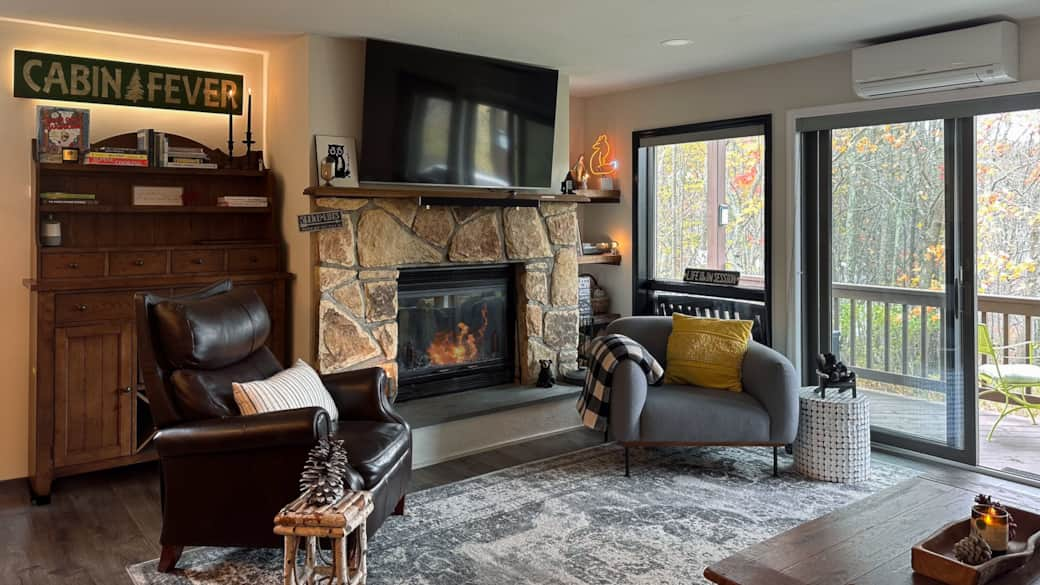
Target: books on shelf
62 198
152 195
242 201
161 154
119 159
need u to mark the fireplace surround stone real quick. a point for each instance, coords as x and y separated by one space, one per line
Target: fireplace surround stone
357 275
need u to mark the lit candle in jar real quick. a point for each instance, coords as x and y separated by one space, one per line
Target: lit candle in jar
991 523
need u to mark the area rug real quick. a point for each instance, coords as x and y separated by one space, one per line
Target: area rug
572 520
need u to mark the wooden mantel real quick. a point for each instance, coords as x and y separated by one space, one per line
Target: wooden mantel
408 192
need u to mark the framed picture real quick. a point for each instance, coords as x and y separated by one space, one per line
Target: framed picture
336 157
59 127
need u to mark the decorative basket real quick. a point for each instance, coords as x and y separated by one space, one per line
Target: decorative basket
599 300
933 557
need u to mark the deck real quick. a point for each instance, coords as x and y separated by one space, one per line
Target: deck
1015 447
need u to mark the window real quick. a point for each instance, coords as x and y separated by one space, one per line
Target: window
709 208
702 194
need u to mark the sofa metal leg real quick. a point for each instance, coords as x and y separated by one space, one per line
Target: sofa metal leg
399 509
776 462
627 473
168 557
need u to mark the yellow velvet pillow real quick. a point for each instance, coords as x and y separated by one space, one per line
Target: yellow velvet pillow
706 352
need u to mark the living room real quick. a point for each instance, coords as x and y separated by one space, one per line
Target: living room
332 294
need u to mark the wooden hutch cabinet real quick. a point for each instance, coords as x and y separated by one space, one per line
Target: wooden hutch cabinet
88 408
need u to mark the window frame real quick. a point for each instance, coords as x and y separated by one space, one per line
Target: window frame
644 285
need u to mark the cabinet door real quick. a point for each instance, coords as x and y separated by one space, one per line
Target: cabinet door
93 394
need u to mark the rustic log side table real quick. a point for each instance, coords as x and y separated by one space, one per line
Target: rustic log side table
344 523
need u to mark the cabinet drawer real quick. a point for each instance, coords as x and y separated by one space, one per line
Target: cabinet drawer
78 307
73 265
193 261
136 263
252 259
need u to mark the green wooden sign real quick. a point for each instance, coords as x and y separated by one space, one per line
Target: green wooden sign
81 79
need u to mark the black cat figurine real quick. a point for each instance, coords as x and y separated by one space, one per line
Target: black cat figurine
545 377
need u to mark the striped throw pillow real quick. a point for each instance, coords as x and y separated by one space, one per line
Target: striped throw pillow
296 387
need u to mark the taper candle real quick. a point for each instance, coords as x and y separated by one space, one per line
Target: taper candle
230 123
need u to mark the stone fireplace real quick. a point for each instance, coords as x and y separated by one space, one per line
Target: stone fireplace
388 272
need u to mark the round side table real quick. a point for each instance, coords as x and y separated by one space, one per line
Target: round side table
833 442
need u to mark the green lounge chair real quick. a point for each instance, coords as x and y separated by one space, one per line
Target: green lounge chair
1011 379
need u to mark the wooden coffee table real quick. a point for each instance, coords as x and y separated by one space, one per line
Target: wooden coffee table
868 543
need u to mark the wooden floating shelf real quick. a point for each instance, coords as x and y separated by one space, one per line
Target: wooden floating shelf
612 259
399 192
72 208
600 195
75 169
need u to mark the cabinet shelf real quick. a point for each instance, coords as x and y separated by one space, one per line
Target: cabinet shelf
84 169
72 208
600 195
612 259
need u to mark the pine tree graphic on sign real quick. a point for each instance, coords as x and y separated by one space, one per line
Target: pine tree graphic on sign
134 90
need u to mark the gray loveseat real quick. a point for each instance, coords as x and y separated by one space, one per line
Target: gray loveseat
765 414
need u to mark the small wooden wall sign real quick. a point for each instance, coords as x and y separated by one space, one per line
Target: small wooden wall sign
322 220
82 79
705 276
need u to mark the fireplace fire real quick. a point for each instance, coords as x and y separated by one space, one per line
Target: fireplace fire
456 329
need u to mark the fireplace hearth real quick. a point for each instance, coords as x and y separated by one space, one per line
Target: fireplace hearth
456 329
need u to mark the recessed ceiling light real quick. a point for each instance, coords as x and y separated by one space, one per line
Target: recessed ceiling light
676 42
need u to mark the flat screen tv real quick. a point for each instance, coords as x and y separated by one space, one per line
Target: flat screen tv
440 118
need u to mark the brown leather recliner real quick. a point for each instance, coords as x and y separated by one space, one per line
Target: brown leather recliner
224 476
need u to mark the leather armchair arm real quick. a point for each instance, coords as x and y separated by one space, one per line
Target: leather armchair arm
302 426
361 395
627 398
772 380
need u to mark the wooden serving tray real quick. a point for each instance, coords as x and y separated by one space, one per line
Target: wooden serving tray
933 557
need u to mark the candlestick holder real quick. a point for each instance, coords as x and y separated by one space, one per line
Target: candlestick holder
249 142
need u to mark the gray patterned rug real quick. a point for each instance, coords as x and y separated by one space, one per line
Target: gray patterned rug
572 520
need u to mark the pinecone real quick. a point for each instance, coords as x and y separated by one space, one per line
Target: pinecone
972 550
323 473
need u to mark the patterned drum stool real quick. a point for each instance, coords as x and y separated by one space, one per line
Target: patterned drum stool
833 442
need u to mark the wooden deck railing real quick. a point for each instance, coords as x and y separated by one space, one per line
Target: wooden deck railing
896 335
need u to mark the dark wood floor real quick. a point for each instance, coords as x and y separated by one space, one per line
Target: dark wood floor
97 524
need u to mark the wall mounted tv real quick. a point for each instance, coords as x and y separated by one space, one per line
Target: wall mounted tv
441 118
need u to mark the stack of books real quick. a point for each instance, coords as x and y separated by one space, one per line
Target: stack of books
241 201
149 195
62 198
119 157
161 154
187 158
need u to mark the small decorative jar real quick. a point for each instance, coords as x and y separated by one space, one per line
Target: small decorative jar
991 523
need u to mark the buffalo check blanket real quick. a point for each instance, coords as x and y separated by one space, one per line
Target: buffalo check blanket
605 353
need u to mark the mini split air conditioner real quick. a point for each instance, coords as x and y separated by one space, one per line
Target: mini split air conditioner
970 57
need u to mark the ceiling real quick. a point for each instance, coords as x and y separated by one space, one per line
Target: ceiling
605 45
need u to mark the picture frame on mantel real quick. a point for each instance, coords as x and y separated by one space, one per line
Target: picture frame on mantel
336 159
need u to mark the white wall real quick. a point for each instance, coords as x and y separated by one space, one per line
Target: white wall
773 89
17 119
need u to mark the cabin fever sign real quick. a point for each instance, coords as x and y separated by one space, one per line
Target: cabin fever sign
81 79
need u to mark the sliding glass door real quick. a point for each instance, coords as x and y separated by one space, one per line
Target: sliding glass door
922 247
889 235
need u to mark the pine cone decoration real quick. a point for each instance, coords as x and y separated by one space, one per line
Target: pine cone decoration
323 473
972 550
